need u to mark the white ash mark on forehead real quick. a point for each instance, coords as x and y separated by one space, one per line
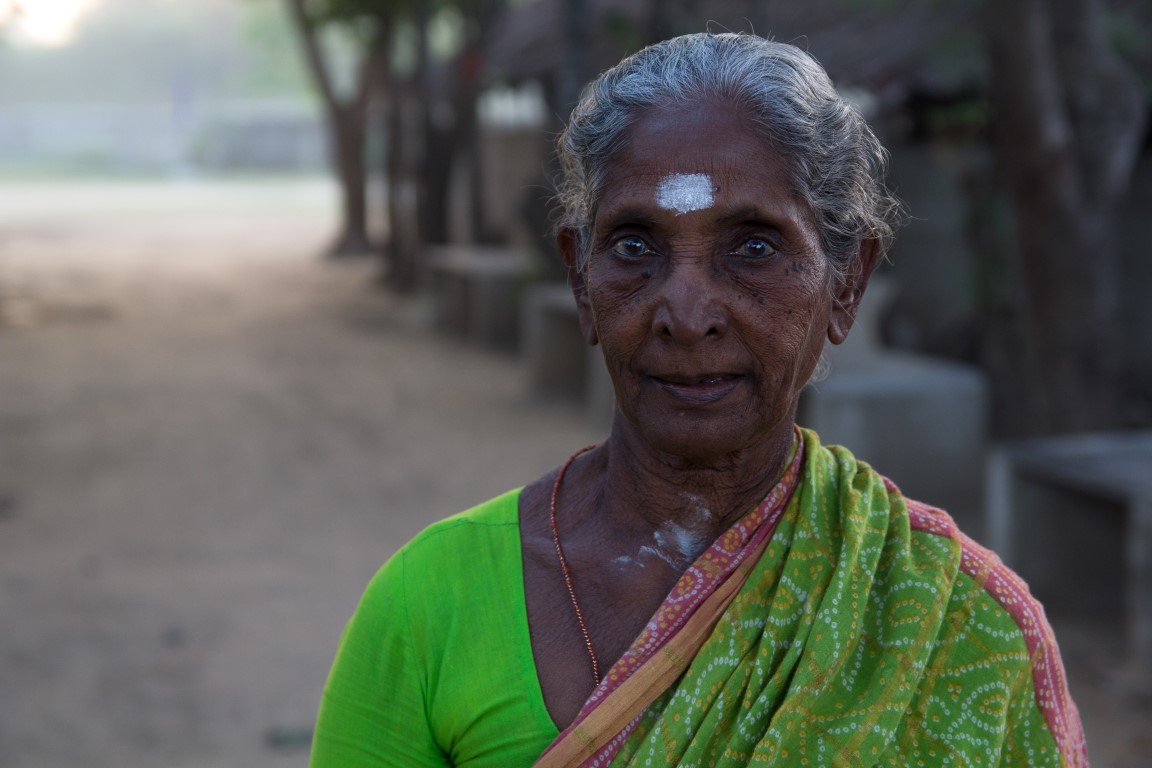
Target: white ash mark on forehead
685 192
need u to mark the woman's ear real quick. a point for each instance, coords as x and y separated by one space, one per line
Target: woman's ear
569 246
849 291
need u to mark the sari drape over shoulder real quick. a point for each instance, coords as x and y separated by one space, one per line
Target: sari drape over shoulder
837 624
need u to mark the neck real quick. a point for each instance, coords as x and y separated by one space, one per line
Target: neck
678 506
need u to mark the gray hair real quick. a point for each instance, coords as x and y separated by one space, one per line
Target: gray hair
837 164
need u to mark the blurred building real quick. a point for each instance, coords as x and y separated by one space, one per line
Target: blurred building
148 137
160 87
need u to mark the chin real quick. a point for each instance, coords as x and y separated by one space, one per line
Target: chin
698 438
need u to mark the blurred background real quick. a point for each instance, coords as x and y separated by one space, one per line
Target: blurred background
277 291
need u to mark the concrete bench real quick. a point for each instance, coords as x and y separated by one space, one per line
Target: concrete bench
918 420
560 362
476 293
1073 516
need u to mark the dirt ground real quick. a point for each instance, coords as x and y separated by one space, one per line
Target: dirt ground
210 438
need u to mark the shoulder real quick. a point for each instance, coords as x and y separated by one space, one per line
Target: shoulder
993 662
449 572
983 580
986 573
495 517
991 607
438 555
420 655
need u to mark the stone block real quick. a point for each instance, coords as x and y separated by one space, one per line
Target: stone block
920 421
560 361
1073 516
476 293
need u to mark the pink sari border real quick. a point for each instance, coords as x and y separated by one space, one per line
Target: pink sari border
1010 591
708 572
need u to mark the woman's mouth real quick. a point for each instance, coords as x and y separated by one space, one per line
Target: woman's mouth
701 389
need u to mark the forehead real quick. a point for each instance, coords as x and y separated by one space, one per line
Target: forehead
676 154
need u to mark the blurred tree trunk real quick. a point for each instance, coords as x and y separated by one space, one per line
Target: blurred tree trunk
452 128
347 122
468 134
1069 120
404 163
436 176
574 72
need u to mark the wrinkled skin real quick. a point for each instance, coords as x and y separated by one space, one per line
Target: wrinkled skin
711 318
710 321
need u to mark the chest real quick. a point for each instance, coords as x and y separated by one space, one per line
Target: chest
595 612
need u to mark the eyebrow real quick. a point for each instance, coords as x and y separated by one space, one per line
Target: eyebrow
630 214
746 213
640 215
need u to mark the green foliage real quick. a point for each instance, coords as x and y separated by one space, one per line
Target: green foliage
355 12
446 32
1131 33
273 55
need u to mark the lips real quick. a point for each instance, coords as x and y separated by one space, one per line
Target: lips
698 389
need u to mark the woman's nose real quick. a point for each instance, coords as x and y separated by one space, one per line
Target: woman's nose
691 308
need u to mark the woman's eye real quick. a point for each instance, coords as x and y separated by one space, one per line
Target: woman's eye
755 248
630 247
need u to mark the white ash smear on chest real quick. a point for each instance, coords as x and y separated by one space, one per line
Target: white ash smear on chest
675 544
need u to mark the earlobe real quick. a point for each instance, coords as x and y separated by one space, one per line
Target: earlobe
847 295
568 246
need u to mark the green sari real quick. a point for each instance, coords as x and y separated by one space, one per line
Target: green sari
838 624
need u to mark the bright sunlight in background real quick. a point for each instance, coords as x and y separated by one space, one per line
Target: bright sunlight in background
44 22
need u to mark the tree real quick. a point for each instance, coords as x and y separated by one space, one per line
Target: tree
421 144
439 97
460 90
369 26
1069 120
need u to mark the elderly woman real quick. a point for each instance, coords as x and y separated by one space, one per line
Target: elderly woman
710 586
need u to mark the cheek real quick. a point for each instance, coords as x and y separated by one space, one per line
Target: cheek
617 302
621 327
783 324
780 303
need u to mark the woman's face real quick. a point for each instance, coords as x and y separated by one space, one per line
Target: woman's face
706 286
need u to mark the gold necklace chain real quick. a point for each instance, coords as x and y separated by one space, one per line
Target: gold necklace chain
564 563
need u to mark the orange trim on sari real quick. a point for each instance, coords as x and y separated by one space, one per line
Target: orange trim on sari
680 627
837 624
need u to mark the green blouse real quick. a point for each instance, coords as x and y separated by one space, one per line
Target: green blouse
424 676
869 627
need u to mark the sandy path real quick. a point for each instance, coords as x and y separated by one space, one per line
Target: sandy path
210 440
